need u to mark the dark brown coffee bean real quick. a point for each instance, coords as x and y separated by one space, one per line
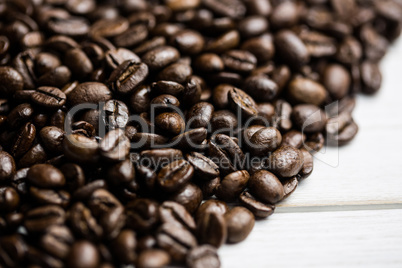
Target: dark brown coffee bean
142 214
265 140
241 101
309 118
7 166
341 129
200 115
49 196
317 44
155 258
209 63
294 138
40 218
371 77
160 57
148 141
239 61
140 100
35 155
349 51
115 57
23 140
232 185
203 256
57 241
175 175
204 168
177 72
303 90
291 49
49 97
20 115
121 173
176 240
46 176
127 76
233 9
164 102
78 62
172 212
190 196
289 186
109 27
14 250
170 123
226 153
261 87
337 81
374 44
83 254
286 161
259 209
225 42
73 26
266 187
239 221
115 146
83 222
124 246
81 149
91 92
159 157
211 229
12 81
9 199
192 139
188 42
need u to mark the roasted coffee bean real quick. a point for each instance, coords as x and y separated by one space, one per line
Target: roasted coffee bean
241 101
115 114
23 140
132 36
7 167
200 115
203 256
159 157
259 209
239 61
46 176
266 187
165 102
175 175
209 63
232 185
142 214
12 81
265 140
289 186
160 57
52 139
154 258
89 92
204 168
291 48
192 139
40 218
190 196
188 41
302 90
211 229
294 138
20 115
225 42
226 153
81 149
50 197
14 249
115 146
121 173
170 123
309 118
9 199
57 241
148 140
83 254
336 80
127 76
349 51
371 77
140 100
172 212
192 91
239 221
317 44
168 87
83 223
176 240
261 87
176 72
212 206
124 246
286 161
341 129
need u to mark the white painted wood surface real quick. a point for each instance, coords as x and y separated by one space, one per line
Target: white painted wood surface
349 213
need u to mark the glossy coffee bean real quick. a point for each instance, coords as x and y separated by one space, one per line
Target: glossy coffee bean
265 140
175 175
142 214
291 48
203 256
286 161
223 121
9 199
40 218
127 76
239 61
232 185
24 140
57 241
209 63
204 168
211 229
170 123
239 221
81 149
83 254
261 87
124 246
160 57
12 81
302 90
200 115
190 196
173 212
309 118
46 176
241 101
92 92
7 166
52 138
266 187
115 146
226 153
154 258
259 209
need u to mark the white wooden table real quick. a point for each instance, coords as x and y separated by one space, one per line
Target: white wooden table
349 213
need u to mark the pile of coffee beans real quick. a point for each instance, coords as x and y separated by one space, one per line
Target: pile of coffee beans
150 133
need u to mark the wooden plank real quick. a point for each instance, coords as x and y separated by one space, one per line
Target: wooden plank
321 239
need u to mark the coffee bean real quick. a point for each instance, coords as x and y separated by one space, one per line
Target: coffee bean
291 49
124 246
172 212
259 209
266 187
142 214
226 41
239 61
20 115
175 175
14 250
200 115
40 218
115 146
177 72
190 196
83 254
349 51
46 176
265 140
336 80
9 199
164 102
204 168
153 258
80 148
176 240
232 185
286 161
239 221
302 90
140 100
91 92
57 241
10 77
203 256
317 44
160 57
289 186
7 166
192 139
233 9
23 140
371 77
261 87
209 63
188 42
83 223
170 123
211 229
309 118
127 76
